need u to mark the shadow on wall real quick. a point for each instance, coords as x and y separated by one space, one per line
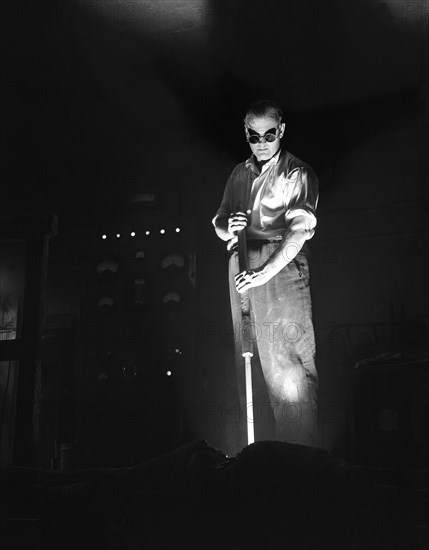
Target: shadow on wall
370 268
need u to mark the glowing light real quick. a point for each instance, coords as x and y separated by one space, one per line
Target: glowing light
162 231
118 235
177 350
168 373
104 237
133 233
147 232
177 229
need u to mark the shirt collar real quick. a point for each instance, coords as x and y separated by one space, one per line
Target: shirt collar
250 162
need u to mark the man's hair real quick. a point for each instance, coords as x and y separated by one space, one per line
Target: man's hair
263 108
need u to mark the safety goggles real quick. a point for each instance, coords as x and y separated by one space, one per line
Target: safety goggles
269 136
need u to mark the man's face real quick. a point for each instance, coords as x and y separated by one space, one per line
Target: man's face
264 150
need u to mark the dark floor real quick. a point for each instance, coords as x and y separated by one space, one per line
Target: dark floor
271 495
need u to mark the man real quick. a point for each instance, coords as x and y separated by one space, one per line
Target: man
273 196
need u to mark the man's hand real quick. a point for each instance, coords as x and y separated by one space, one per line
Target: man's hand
237 222
252 277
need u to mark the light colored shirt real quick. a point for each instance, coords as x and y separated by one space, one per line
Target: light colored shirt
285 188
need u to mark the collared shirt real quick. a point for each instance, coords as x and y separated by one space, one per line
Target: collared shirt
285 188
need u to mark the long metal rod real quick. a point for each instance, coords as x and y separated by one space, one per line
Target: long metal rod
249 400
246 338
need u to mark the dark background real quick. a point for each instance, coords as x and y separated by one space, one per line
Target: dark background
103 100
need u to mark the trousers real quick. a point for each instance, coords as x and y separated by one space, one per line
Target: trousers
282 330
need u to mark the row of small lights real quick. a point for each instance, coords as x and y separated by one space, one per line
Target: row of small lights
133 233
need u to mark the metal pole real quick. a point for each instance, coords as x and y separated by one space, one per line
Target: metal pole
246 337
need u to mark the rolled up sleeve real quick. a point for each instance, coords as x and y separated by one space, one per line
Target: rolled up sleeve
301 200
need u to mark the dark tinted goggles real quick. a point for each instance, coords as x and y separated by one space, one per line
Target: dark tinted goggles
269 136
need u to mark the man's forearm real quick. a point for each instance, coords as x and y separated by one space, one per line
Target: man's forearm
290 245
